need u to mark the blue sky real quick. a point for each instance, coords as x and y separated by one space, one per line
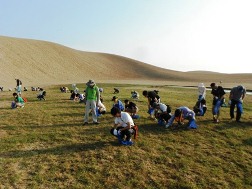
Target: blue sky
181 35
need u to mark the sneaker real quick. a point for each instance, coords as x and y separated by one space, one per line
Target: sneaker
85 123
96 123
167 125
216 121
238 121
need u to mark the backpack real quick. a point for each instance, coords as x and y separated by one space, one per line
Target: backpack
24 99
135 128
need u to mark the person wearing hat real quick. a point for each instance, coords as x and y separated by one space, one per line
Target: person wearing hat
236 96
92 95
180 115
218 99
117 103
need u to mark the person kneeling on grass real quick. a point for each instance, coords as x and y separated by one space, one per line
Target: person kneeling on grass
18 101
180 115
123 127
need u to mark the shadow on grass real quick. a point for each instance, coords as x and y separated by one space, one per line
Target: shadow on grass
59 150
227 124
156 129
247 141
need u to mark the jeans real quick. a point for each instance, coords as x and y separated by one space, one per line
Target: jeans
216 108
239 107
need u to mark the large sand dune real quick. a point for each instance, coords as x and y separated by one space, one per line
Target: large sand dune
41 63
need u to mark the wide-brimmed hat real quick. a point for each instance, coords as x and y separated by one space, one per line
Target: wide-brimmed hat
90 83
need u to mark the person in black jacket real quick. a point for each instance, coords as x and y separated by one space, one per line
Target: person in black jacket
218 99
152 97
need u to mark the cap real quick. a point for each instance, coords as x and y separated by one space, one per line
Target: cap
114 97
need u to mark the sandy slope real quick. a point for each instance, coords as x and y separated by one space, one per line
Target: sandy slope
40 63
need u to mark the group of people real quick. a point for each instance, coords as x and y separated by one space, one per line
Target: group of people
124 114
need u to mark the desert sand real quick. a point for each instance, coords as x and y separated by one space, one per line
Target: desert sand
42 63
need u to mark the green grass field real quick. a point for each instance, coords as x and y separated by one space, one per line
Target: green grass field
44 145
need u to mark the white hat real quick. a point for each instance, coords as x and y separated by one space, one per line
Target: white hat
201 85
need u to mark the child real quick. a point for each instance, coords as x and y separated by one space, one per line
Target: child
18 101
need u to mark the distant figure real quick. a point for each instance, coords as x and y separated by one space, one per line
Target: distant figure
218 99
134 95
42 94
180 115
25 89
1 88
19 86
92 95
236 96
116 91
75 88
101 90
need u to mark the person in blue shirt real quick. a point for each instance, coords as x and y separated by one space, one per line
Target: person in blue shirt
183 113
117 103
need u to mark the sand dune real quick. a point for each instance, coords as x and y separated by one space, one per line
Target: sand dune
41 63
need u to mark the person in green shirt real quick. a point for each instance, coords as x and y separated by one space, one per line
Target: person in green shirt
92 95
18 100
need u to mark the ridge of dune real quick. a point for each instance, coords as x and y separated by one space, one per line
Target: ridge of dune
39 63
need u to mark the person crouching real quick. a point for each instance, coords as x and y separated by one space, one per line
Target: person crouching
123 126
180 115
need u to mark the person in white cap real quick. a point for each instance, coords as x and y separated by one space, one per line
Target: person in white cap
92 95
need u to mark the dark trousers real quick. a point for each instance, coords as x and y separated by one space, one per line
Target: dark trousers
239 108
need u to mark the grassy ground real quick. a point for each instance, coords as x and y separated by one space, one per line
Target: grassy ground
44 145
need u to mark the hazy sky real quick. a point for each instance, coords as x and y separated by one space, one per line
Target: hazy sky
183 35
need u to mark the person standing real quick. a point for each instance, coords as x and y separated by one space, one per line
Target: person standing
218 99
236 96
19 86
92 95
201 91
